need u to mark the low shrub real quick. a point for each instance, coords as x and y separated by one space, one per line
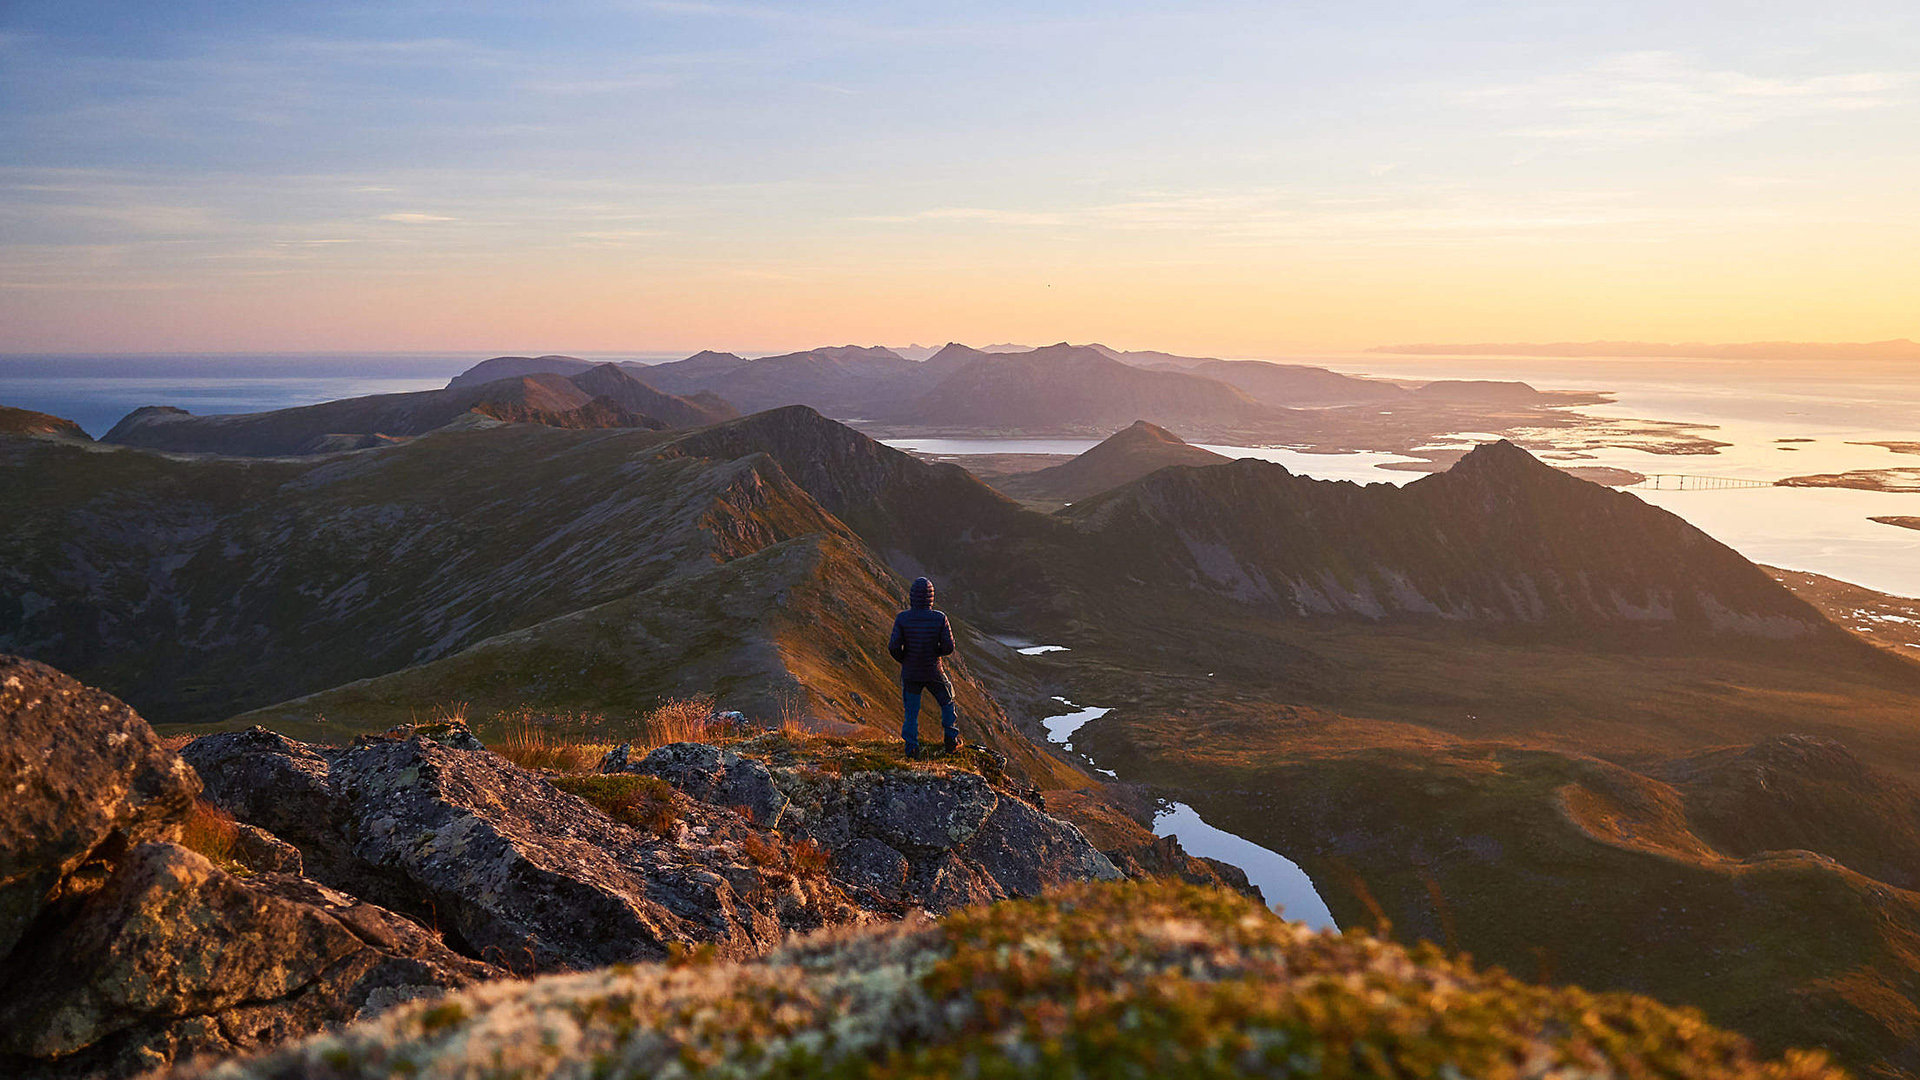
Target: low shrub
643 802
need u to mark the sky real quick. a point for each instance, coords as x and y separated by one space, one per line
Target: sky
1243 179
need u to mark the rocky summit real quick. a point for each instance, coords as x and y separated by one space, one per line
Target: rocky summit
256 888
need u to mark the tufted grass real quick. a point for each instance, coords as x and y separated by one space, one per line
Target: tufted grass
213 833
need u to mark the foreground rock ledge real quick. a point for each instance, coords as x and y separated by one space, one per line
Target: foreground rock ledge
1132 979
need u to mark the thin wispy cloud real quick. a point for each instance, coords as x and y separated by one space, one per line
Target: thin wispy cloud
409 217
1646 96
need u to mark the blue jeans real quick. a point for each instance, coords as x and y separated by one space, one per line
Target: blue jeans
942 693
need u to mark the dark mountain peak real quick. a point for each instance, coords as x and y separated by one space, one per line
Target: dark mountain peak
1143 431
1141 449
710 355
1502 460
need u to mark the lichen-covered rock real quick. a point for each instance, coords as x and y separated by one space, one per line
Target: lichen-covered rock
261 851
272 782
1096 980
708 773
174 956
511 868
963 840
82 778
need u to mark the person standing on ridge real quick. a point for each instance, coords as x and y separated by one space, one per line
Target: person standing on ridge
921 636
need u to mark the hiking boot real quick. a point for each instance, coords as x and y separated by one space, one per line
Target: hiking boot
913 753
954 744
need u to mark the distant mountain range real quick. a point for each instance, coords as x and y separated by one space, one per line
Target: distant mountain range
1061 388
1057 389
1896 349
588 396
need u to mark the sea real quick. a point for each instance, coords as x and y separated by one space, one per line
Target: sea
1780 418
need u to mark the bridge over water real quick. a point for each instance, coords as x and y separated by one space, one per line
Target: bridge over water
1686 482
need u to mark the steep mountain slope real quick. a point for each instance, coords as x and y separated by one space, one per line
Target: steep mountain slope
1066 387
919 517
1123 457
1499 538
200 588
597 396
27 422
796 626
1296 385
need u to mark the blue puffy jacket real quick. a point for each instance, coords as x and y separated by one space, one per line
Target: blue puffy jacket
921 636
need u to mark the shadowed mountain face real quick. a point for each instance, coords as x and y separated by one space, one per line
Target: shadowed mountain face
1499 538
600 396
27 422
1121 458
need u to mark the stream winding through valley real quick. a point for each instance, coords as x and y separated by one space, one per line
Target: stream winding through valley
1286 887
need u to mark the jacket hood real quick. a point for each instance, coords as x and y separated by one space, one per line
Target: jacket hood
921 594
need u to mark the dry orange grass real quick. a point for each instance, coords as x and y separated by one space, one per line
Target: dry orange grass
575 743
532 745
212 832
677 720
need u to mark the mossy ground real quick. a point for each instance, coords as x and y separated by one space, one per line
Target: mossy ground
1128 980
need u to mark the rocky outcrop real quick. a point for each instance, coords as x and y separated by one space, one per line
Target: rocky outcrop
517 871
709 774
84 778
938 839
120 950
514 869
173 956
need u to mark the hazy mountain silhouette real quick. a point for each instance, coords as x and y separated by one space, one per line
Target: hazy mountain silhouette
599 396
1122 457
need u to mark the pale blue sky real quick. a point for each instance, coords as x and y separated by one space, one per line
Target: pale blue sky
1241 177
